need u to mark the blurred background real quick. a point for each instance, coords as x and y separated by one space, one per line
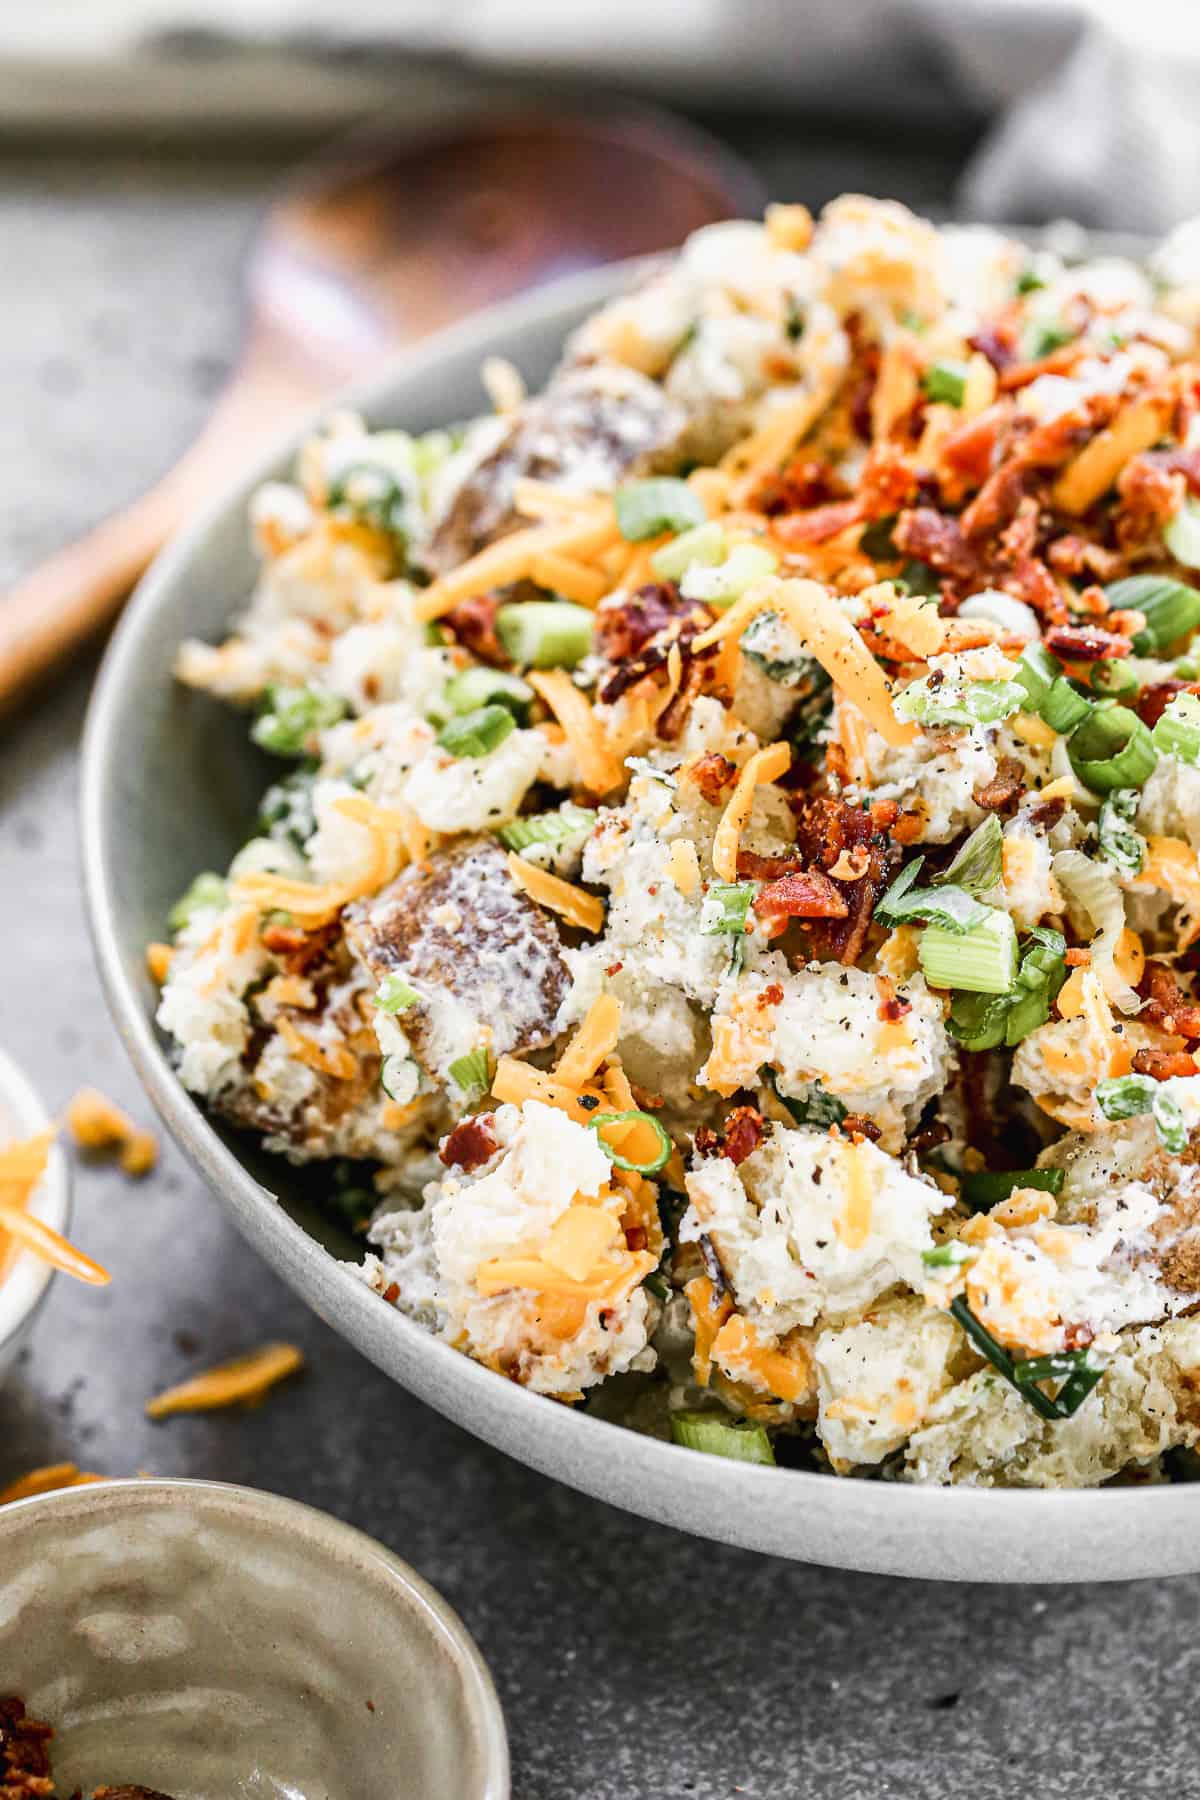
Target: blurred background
1028 108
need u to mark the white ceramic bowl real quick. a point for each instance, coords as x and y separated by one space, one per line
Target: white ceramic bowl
23 1289
212 1641
150 745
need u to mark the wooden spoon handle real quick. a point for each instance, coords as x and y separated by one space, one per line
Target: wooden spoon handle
78 592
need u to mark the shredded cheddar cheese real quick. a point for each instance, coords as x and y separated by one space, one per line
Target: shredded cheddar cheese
600 769
764 766
595 1039
511 558
242 1382
572 903
683 866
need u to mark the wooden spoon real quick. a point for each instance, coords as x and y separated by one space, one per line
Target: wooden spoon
372 248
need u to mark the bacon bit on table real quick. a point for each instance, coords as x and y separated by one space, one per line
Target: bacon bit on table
242 1382
47 1480
98 1123
1162 1065
471 1144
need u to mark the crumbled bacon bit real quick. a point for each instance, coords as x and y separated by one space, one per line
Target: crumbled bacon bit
855 1125
614 969
391 1292
968 450
473 624
887 482
24 1753
299 950
818 524
1152 702
807 894
1004 790
625 627
891 1007
998 342
931 537
1167 1006
635 1237
752 867
1161 1065
825 827
1078 1337
471 1144
712 773
1149 494
803 483
1074 556
739 1138
1078 959
1086 643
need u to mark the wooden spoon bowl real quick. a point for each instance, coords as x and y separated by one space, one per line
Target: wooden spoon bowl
374 246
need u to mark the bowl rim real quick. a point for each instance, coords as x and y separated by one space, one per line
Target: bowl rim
1039 1535
320 1530
27 1283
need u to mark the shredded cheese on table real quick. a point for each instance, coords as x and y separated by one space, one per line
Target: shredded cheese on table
21 1169
49 1479
97 1123
238 1383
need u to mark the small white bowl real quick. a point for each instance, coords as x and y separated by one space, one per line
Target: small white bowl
23 1288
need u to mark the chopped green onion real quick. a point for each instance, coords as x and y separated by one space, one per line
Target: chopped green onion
478 686
950 1255
385 1075
1127 1096
1046 338
815 1107
1120 844
725 907
292 716
472 1075
982 1022
545 634
1030 280
985 1188
1182 535
945 381
1082 1372
662 1154
1065 706
951 703
1114 678
1112 749
1187 668
952 908
726 582
875 540
741 1441
1170 1124
920 578
981 961
646 508
705 544
477 733
394 995
553 828
1037 671
978 865
1177 732
287 812
1171 608
206 892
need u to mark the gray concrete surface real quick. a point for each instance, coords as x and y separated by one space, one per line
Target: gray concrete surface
632 1662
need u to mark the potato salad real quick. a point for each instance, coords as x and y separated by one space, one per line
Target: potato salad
726 913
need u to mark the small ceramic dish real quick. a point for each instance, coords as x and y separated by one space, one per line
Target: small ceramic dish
24 1280
205 1641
